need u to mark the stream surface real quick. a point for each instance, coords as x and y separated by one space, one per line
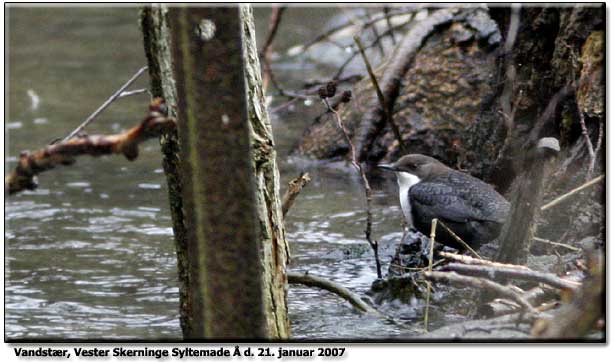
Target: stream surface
90 253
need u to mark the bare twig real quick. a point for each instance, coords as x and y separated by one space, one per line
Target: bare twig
554 243
599 139
65 152
374 19
380 96
267 49
343 292
108 102
589 145
294 188
430 269
508 105
571 193
373 43
513 273
365 182
133 92
461 241
376 35
481 283
389 24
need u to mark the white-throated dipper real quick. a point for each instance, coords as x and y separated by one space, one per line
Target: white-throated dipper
428 189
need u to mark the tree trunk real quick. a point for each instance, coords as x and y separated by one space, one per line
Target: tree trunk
237 252
156 39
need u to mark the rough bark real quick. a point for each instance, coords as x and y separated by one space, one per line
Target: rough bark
274 247
157 43
236 244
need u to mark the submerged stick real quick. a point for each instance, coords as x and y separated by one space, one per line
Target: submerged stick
343 292
65 152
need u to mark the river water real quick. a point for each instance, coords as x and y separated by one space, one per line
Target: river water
90 255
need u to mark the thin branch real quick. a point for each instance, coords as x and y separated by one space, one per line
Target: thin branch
513 273
65 152
343 292
133 92
465 259
389 24
373 43
380 96
365 183
430 269
294 188
374 19
507 104
480 283
599 138
564 197
108 102
589 145
461 241
376 35
554 243
267 49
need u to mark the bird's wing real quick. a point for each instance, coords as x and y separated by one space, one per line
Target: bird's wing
458 197
438 200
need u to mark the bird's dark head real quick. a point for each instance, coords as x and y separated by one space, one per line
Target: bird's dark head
416 164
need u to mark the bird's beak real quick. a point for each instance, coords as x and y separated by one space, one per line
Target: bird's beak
387 167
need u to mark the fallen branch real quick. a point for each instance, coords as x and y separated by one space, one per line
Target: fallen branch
465 259
480 283
578 317
343 292
294 188
512 273
65 152
499 307
118 94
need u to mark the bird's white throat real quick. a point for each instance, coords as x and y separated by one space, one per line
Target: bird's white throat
405 181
